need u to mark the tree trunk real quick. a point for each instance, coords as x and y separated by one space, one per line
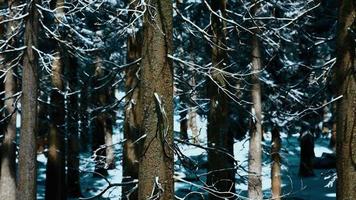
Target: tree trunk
133 115
8 147
255 150
276 164
332 143
221 169
73 176
27 175
306 154
55 172
345 84
192 122
183 121
156 162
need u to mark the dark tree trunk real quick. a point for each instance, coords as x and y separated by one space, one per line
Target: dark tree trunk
184 122
55 171
133 115
345 85
73 176
27 176
8 146
156 162
306 154
276 164
221 176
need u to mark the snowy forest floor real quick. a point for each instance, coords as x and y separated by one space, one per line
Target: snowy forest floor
294 187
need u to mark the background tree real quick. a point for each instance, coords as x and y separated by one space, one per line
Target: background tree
221 170
255 148
133 106
8 147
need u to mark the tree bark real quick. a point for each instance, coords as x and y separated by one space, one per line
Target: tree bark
104 119
255 149
306 154
133 114
156 162
221 169
345 85
276 164
8 147
27 175
55 171
73 176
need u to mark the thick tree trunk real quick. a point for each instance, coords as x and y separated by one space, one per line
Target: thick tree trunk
221 170
255 150
345 85
133 115
156 162
73 176
27 175
8 147
276 165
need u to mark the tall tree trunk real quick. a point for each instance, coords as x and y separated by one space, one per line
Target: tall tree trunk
133 115
221 170
98 123
27 175
156 162
55 171
8 147
255 149
103 121
276 164
73 177
345 84
83 114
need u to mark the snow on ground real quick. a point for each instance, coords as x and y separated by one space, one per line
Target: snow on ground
294 187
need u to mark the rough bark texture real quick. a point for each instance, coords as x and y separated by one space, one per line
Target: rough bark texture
345 84
8 147
73 180
156 161
276 164
133 115
255 151
221 170
27 175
